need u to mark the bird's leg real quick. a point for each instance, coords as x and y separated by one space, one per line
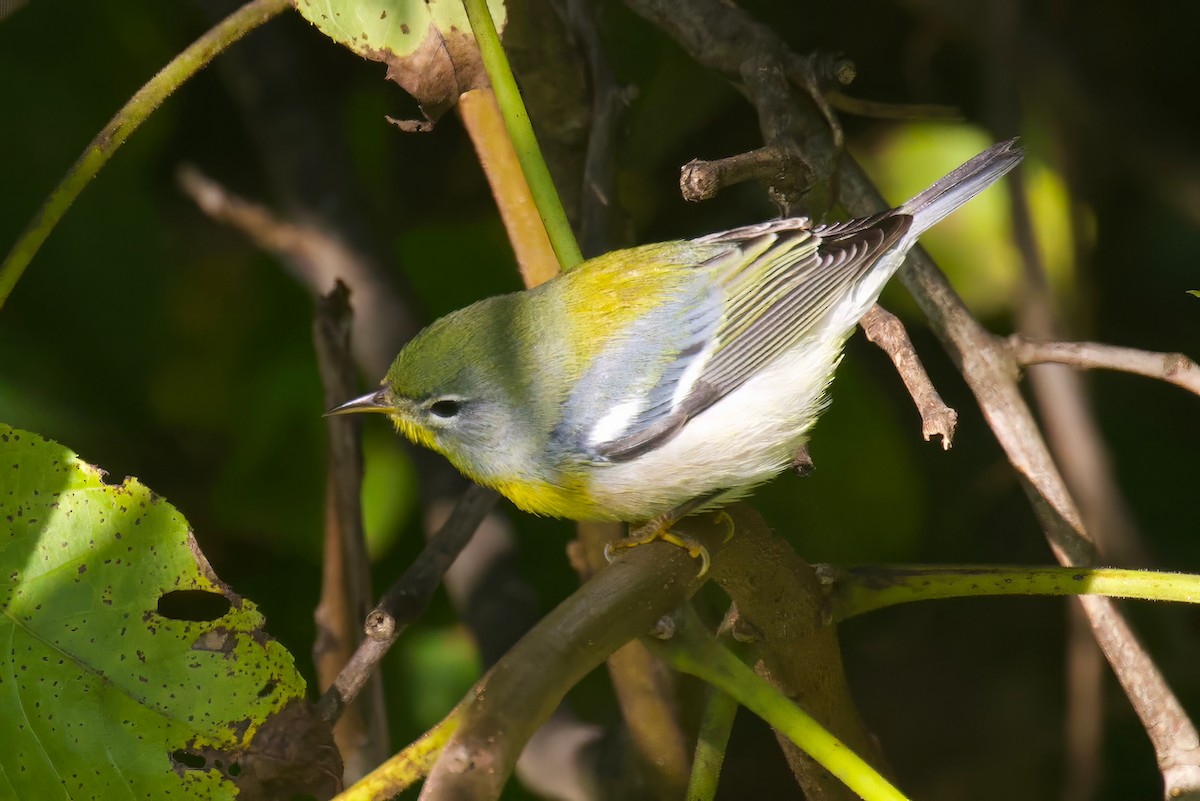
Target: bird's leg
660 528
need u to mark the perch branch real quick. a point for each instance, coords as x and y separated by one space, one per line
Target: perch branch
644 687
621 602
781 597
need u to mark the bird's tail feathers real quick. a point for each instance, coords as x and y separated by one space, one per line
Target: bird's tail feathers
961 185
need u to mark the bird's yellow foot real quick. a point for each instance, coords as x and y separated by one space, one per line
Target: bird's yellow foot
661 530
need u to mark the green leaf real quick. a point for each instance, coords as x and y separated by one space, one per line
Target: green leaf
427 44
1195 292
127 669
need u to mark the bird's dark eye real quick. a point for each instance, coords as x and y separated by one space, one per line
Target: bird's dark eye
445 408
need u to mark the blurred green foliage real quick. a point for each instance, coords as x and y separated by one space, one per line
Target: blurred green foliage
162 345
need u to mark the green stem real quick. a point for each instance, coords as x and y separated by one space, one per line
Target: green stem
719 711
516 120
694 651
865 589
126 121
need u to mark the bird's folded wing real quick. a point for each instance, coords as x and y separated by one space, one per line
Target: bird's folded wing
771 290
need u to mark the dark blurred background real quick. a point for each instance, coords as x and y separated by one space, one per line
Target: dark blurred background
160 344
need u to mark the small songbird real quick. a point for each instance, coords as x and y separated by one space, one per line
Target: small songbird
650 383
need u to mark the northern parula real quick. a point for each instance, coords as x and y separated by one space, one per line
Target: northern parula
653 382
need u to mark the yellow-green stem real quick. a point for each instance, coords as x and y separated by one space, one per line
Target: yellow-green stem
126 121
693 650
865 589
715 725
407 767
516 120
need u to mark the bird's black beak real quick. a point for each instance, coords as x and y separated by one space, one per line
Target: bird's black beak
380 401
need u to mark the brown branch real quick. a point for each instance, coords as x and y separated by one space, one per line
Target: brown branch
1173 368
771 95
406 599
316 258
893 111
716 34
643 685
1072 433
782 599
362 736
702 180
885 330
987 365
621 602
602 224
723 37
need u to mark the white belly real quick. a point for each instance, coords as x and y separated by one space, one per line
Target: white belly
746 438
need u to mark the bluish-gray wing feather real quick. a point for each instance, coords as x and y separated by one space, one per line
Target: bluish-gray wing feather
765 295
640 373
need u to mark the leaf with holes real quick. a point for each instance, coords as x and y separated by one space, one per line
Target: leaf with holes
127 669
427 45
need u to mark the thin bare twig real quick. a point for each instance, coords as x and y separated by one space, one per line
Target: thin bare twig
1174 368
407 598
771 96
986 363
317 258
702 180
893 111
885 330
361 736
602 224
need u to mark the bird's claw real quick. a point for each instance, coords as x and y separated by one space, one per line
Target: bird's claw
651 533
